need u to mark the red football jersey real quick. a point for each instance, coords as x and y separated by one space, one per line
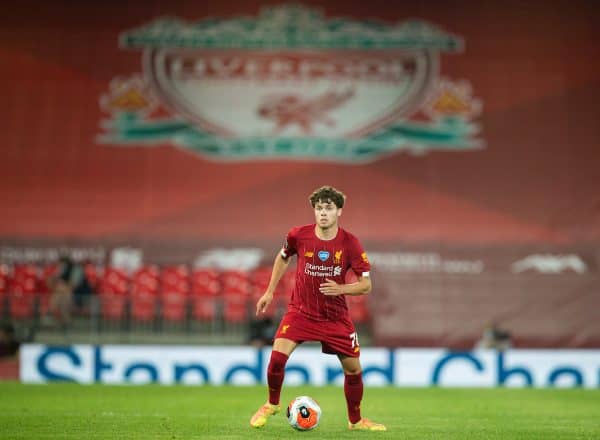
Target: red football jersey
318 260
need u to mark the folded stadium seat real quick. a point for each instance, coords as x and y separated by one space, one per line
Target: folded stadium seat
204 308
236 296
22 272
145 286
113 306
205 294
175 279
151 270
205 282
173 306
144 294
235 307
114 281
357 306
21 300
146 280
22 291
113 292
175 288
143 306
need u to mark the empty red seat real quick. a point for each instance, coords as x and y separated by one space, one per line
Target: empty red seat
174 306
21 305
205 282
260 281
143 306
204 308
146 281
113 306
114 281
24 279
236 293
235 281
235 306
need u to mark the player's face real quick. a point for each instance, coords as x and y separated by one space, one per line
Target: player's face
326 214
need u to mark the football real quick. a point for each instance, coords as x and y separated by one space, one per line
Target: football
303 413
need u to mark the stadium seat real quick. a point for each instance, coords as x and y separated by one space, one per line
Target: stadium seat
174 306
113 306
236 296
22 290
143 306
204 308
235 307
146 280
235 281
21 305
22 272
205 292
175 279
114 281
205 282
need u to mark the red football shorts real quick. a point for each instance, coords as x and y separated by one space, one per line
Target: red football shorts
336 337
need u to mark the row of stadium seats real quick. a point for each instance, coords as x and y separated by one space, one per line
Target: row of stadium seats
171 293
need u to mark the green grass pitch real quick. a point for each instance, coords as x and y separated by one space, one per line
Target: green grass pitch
61 411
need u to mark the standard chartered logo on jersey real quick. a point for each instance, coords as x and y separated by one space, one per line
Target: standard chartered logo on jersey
292 84
315 270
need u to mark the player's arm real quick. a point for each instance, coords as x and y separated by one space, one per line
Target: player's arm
359 264
279 267
361 287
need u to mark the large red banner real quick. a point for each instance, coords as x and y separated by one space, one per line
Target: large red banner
465 136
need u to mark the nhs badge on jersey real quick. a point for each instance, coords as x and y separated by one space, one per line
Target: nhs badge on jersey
323 255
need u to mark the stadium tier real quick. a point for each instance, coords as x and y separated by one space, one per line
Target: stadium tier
153 293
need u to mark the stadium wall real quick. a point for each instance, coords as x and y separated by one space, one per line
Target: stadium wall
191 365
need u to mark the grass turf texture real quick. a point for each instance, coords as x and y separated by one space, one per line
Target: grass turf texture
60 411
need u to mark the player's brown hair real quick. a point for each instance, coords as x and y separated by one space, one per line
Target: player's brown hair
327 194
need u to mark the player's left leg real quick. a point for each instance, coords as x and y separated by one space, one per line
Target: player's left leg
353 390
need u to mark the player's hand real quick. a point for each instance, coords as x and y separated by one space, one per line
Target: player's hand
331 288
263 303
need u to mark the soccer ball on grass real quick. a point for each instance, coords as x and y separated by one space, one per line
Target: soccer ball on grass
303 413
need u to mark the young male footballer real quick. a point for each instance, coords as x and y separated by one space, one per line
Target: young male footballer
317 310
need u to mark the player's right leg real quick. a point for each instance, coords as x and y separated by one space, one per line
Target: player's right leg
282 348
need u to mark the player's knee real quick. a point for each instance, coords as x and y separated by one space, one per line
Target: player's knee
352 371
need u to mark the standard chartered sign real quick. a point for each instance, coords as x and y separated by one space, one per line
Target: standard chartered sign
114 364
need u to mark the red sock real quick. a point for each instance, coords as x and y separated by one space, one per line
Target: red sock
353 389
275 373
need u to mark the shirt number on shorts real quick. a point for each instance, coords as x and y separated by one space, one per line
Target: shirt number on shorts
354 339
